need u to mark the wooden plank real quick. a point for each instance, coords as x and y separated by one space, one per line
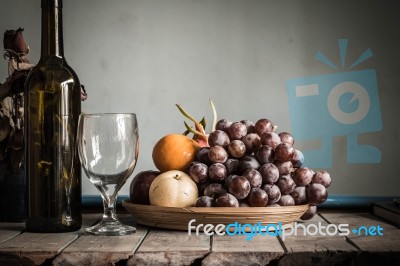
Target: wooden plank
236 250
169 247
35 248
387 211
10 230
374 250
390 241
102 250
7 232
303 249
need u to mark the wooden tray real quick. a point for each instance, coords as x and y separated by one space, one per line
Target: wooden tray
178 218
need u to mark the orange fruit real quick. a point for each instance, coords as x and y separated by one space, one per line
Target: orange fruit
174 152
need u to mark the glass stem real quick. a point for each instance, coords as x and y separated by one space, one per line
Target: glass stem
109 209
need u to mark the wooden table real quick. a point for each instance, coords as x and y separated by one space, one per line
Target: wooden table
150 246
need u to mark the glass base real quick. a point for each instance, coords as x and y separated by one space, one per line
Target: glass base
110 228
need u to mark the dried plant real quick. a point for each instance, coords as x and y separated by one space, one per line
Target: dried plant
12 98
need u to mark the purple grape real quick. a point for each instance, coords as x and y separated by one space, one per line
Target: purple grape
284 168
198 172
217 172
271 139
287 138
232 166
286 184
269 173
202 186
265 154
286 200
226 200
316 194
248 162
217 154
202 155
323 178
236 148
205 201
218 137
257 197
239 187
254 177
302 176
237 131
223 125
190 166
228 179
263 125
252 142
214 190
249 125
273 191
299 195
311 211
284 152
298 159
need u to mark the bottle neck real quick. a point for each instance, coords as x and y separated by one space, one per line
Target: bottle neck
52 32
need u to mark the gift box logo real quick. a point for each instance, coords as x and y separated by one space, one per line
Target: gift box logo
338 104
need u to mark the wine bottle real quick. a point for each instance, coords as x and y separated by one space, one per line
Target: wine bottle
52 108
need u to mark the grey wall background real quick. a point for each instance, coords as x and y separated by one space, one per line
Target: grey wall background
144 56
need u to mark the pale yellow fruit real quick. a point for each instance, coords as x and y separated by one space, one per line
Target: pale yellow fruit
173 189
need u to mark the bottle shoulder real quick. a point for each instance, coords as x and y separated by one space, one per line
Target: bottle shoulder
54 72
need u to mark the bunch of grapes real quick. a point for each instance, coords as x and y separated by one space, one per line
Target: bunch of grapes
250 165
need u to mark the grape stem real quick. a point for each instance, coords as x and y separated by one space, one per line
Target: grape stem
198 126
199 132
191 130
214 116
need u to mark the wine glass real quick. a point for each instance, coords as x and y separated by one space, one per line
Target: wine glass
108 146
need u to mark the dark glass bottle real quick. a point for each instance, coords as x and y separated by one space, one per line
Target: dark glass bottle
52 108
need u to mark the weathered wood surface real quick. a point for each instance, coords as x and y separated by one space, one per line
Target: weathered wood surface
10 230
151 246
373 249
303 249
101 250
243 250
389 241
168 247
35 248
